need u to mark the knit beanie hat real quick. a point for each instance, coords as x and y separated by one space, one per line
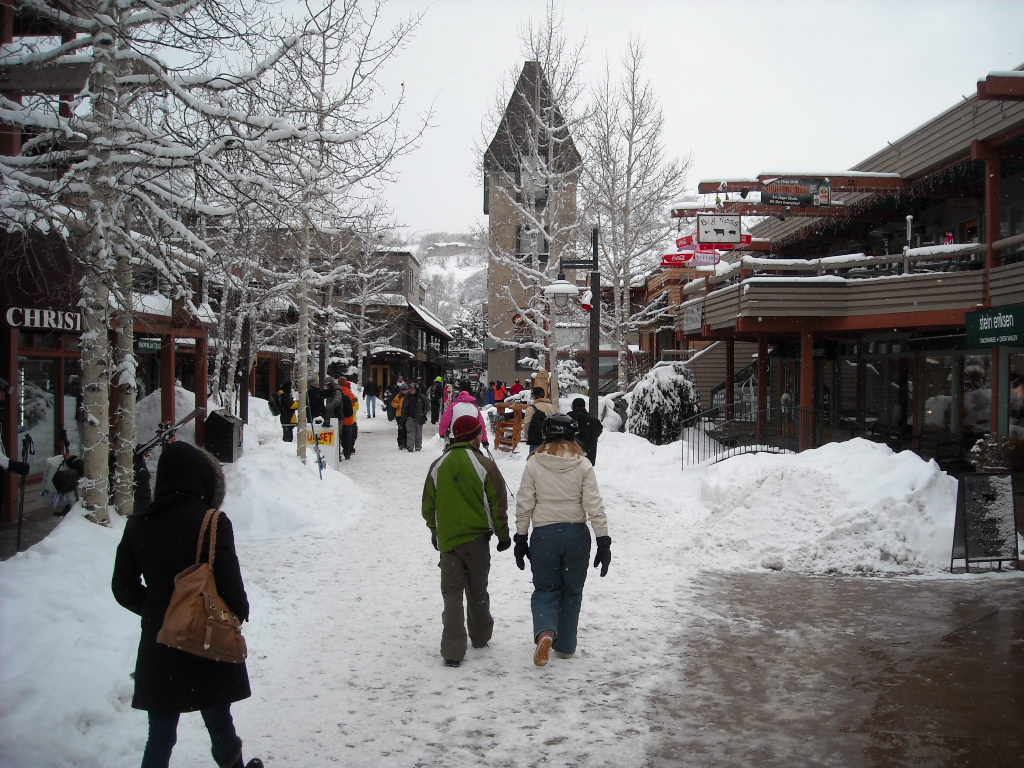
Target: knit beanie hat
465 428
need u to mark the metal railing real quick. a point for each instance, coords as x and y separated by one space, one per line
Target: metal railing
708 437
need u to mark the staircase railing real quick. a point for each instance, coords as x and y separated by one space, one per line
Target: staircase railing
707 437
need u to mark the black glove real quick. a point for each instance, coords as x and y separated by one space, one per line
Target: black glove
485 444
504 544
522 550
18 467
603 556
433 540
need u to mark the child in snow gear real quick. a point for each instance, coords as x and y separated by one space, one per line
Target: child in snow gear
158 543
398 404
533 422
557 497
464 501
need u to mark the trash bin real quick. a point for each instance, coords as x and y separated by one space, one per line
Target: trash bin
224 436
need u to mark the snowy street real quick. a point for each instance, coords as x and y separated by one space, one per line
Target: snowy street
716 638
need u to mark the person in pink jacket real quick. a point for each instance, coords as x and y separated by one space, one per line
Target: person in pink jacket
463 405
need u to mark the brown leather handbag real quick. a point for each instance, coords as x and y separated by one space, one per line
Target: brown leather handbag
198 621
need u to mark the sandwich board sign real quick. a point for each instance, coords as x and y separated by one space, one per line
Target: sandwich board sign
985 530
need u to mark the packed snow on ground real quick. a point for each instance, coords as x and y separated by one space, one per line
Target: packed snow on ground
345 622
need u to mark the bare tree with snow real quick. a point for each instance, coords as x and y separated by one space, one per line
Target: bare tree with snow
173 99
628 185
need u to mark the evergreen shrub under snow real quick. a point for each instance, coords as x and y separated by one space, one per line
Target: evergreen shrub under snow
662 400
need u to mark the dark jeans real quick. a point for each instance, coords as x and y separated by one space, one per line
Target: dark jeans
402 436
559 555
163 733
348 439
465 569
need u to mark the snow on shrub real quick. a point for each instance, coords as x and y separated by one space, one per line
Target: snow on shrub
662 400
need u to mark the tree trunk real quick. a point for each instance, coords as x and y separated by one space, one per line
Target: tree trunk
125 368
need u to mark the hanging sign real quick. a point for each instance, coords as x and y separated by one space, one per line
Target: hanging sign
718 228
697 257
689 241
799 192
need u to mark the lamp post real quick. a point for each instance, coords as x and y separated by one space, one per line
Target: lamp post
558 294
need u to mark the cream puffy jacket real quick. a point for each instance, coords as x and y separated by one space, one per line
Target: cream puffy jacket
559 486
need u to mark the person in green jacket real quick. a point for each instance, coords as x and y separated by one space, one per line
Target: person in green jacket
464 502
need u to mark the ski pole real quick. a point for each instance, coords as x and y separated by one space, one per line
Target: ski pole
507 487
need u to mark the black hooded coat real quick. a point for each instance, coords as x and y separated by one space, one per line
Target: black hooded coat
158 543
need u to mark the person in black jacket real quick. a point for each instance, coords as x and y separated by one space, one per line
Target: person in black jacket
286 410
158 543
588 428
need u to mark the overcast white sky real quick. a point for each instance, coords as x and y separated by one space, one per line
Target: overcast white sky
746 85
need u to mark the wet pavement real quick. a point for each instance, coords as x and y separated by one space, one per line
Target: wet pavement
779 669
36 525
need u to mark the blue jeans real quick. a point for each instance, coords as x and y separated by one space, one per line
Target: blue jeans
559 556
163 733
371 405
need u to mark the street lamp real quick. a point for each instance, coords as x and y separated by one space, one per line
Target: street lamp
558 294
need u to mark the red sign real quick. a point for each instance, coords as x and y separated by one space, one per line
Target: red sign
675 259
698 257
689 241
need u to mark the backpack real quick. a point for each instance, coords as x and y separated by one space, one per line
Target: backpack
535 434
346 406
275 409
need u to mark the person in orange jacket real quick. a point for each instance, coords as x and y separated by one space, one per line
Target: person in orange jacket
349 406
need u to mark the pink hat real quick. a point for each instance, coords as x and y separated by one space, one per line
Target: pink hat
465 428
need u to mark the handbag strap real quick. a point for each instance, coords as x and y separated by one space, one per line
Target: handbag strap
214 515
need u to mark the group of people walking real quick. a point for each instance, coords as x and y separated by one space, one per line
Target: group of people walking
465 504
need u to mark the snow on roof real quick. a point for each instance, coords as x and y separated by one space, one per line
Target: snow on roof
387 349
431 320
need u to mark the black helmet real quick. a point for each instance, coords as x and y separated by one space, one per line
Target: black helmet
559 425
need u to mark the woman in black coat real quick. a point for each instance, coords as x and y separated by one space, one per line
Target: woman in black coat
158 543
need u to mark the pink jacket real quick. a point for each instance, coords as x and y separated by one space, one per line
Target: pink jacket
450 415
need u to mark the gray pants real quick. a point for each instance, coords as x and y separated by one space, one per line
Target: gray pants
414 434
465 570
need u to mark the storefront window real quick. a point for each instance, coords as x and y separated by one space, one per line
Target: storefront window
1016 395
74 408
937 392
977 394
38 407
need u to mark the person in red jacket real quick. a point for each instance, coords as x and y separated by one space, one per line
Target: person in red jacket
500 392
516 388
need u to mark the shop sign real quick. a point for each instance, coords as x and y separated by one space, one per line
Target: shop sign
989 327
799 192
698 257
718 228
693 318
689 241
43 319
146 344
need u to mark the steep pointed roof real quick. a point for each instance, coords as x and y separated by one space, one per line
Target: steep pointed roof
532 95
